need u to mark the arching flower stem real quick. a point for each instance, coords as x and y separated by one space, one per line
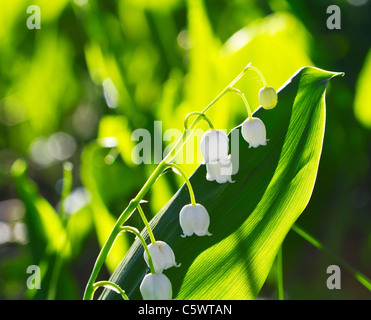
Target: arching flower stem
199 114
225 90
244 100
137 233
144 218
110 285
250 67
180 171
186 135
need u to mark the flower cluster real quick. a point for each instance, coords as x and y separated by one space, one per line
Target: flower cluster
193 217
215 143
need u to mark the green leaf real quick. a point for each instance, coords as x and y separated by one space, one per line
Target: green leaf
251 217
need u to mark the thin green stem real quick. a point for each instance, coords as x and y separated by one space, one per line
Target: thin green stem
110 285
260 74
221 94
244 101
199 114
144 218
137 233
279 275
186 134
189 185
357 275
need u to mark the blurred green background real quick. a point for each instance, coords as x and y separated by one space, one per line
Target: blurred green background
75 90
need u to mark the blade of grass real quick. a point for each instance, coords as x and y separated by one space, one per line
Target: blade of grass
357 275
279 275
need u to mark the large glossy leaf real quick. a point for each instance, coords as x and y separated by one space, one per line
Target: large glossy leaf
251 217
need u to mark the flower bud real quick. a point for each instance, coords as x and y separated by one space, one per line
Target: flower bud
214 145
156 287
220 170
268 97
194 219
253 131
162 256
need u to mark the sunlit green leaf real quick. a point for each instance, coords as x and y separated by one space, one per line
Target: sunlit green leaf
204 56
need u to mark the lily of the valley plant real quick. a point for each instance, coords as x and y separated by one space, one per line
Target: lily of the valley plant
194 219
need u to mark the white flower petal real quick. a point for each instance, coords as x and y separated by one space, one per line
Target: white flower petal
156 287
162 256
194 219
201 221
214 145
220 170
253 131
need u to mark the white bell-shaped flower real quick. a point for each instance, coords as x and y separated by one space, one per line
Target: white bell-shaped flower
214 145
156 287
253 131
162 256
194 219
268 97
220 170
